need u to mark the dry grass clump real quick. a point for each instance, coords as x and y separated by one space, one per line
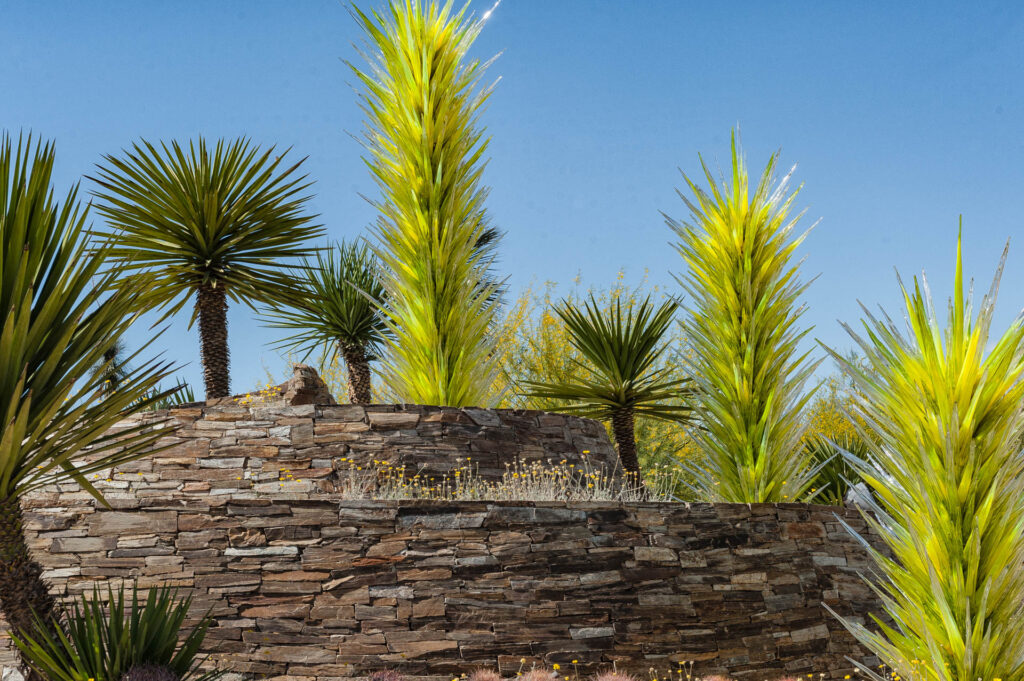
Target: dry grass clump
389 675
537 481
484 675
613 676
684 672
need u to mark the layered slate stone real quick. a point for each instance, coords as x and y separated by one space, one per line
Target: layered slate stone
241 509
323 588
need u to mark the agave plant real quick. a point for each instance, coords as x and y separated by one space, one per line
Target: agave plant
618 378
213 223
58 318
942 408
136 641
424 148
337 305
743 330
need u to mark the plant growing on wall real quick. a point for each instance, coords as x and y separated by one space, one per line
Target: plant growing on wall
337 306
137 640
942 408
422 101
209 222
743 329
58 319
619 377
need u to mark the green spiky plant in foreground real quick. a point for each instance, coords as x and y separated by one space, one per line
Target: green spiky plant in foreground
58 319
337 306
942 408
138 640
425 151
209 222
619 378
742 327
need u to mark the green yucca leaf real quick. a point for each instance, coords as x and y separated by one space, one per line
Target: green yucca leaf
425 150
59 317
336 301
104 638
941 404
835 474
620 351
618 378
218 222
742 326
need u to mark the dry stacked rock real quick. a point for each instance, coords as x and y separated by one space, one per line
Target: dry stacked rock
325 589
241 508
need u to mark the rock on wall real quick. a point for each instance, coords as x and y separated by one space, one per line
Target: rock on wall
322 588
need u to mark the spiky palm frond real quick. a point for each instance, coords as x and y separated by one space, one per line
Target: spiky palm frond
211 222
58 318
425 150
942 408
742 325
620 351
95 644
112 368
336 301
618 378
339 307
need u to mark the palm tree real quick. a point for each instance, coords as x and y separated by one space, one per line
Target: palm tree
425 151
58 317
338 305
210 222
744 332
619 379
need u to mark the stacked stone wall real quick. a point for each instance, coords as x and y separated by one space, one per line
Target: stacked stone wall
318 589
241 508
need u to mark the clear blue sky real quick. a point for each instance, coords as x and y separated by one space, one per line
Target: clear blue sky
900 116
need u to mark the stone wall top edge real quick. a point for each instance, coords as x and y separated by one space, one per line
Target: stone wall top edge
229 403
699 509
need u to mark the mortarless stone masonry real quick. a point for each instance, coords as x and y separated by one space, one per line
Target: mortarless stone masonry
307 585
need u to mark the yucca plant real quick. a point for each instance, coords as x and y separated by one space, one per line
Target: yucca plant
835 476
58 318
137 640
210 222
112 368
618 378
177 396
425 150
742 326
336 306
941 404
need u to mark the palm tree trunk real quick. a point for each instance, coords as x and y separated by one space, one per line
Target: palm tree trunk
359 387
23 593
625 440
212 307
